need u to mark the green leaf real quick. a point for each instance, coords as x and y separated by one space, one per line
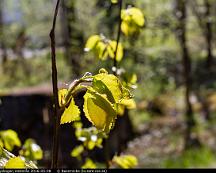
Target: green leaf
77 151
132 21
128 103
114 1
101 51
112 48
137 16
6 155
31 150
10 139
15 163
125 28
92 42
61 96
125 161
89 164
72 113
1 143
110 85
99 111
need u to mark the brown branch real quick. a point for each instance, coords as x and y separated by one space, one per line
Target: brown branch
56 110
118 37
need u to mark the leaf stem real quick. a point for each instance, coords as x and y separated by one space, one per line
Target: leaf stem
115 65
56 110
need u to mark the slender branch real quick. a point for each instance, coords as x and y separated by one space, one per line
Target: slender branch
56 110
118 37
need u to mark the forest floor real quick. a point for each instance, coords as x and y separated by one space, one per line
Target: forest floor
161 144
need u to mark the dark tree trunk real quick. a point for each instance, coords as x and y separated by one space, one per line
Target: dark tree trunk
208 34
71 36
205 23
186 63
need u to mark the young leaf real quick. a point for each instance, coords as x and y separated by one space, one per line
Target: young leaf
61 96
71 113
99 111
108 84
114 1
101 51
31 150
137 16
132 21
128 103
92 42
15 163
77 151
89 164
125 161
112 48
10 139
125 28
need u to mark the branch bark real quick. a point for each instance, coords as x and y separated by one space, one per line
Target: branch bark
56 110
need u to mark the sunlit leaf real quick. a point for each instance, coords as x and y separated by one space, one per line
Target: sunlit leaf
92 42
1 143
112 48
77 151
61 96
132 21
89 164
15 163
128 103
125 161
98 110
125 28
101 51
114 1
137 16
31 150
10 139
108 84
71 113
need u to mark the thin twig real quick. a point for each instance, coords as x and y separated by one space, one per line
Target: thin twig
118 38
56 110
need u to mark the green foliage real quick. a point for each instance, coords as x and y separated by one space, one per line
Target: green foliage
8 160
77 151
196 157
90 137
89 164
9 139
103 47
71 113
31 151
15 163
132 21
125 161
104 93
99 110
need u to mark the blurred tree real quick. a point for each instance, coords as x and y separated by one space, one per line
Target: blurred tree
72 36
181 15
2 37
203 13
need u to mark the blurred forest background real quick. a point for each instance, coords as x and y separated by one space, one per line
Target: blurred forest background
173 58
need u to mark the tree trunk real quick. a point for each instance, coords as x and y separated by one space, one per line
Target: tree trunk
186 63
71 36
208 34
